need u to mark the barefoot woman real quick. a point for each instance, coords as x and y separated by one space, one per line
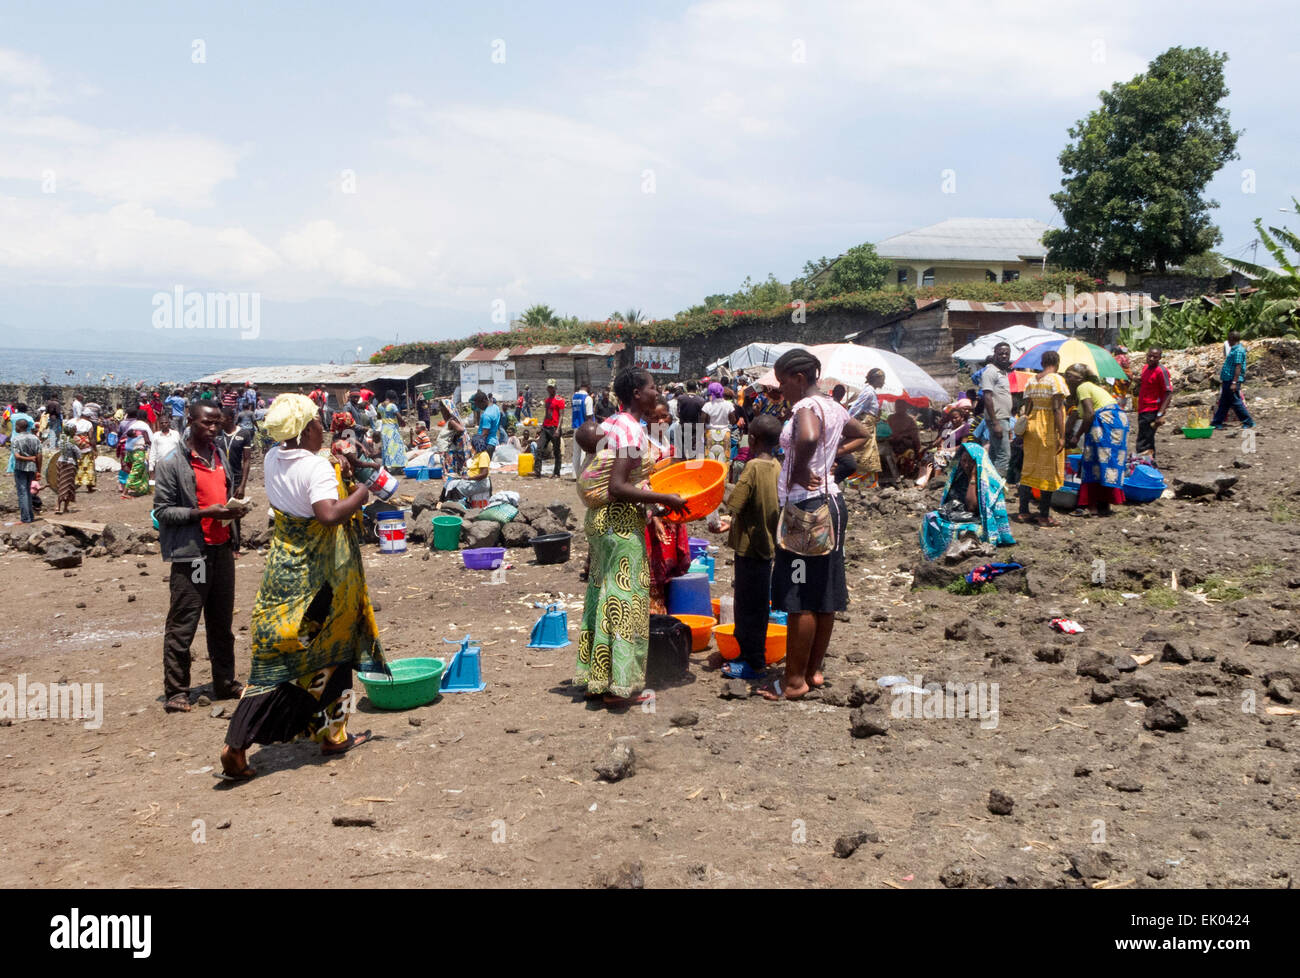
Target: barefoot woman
312 621
810 589
615 637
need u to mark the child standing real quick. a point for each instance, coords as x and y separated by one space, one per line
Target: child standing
755 512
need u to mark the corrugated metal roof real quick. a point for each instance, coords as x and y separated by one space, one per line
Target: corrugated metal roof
473 354
1083 302
320 373
995 239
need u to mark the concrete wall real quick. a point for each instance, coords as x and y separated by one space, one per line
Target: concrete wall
37 394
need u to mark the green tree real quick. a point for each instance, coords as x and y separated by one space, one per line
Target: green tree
1206 265
1136 169
633 317
539 315
859 269
1279 286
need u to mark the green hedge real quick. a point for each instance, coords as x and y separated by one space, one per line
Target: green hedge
884 302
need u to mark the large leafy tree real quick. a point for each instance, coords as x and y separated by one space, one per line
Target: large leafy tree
1136 169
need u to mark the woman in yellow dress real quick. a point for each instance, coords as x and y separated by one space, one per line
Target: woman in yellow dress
1044 465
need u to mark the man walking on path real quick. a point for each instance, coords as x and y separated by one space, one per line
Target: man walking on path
194 485
996 391
26 448
1154 391
1231 377
554 407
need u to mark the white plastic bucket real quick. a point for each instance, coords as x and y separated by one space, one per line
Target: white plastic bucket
383 484
390 528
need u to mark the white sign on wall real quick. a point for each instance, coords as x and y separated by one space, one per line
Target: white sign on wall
497 379
659 359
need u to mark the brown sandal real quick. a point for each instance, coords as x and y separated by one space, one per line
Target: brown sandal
354 740
180 703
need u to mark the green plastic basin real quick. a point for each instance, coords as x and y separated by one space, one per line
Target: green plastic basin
415 682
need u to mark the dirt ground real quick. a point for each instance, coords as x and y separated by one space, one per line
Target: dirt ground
498 788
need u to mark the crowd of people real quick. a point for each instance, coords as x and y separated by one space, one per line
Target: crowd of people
791 451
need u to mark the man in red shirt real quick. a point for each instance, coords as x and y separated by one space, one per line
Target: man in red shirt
550 430
191 498
1154 391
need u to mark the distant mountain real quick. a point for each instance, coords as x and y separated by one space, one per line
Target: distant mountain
312 331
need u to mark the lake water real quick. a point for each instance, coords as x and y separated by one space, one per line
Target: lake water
112 368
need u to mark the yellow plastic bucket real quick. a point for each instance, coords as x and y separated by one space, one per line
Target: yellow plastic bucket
525 464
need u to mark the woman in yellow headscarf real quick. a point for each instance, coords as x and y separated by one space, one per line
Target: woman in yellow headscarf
312 621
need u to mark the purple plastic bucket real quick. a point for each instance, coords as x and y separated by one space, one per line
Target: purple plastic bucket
699 548
484 558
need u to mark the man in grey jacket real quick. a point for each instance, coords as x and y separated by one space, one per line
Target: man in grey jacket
193 485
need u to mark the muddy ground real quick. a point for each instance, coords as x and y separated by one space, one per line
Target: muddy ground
498 788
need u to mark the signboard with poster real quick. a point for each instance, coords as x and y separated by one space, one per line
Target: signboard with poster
659 359
469 376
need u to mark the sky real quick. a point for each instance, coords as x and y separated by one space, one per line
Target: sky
419 170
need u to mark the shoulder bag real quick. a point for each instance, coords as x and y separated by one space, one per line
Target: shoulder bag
809 533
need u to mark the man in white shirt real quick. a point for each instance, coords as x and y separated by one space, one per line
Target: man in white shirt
995 388
77 406
163 441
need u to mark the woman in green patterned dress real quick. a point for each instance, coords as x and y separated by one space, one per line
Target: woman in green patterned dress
615 638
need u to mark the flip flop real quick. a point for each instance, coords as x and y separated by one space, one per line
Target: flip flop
179 703
354 740
645 696
246 773
742 670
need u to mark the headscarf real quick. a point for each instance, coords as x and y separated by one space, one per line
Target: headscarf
342 420
478 443
288 415
715 389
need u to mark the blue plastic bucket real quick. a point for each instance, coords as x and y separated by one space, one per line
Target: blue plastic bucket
689 595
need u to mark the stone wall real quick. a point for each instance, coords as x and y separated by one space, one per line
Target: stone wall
36 394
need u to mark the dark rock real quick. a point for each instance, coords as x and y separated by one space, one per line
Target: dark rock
868 722
1125 663
927 574
1097 666
856 658
864 691
353 821
1000 803
1263 777
628 876
517 534
415 721
63 556
559 510
117 539
1234 667
734 689
1158 871
1165 715
531 511
620 764
546 525
954 876
1092 864
1050 653
1275 743
1082 770
1176 651
1203 484
957 631
1280 690
833 697
1127 785
426 498
847 845
687 718
1101 693
480 533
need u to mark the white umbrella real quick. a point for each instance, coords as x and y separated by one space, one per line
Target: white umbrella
850 363
1020 338
752 355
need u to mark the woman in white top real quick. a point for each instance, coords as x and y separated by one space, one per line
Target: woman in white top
810 589
312 622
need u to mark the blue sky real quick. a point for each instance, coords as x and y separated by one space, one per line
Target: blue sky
524 180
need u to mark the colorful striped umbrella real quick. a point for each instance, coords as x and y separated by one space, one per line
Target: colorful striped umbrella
1072 351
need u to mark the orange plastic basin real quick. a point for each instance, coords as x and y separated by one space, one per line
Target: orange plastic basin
701 630
773 648
699 481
